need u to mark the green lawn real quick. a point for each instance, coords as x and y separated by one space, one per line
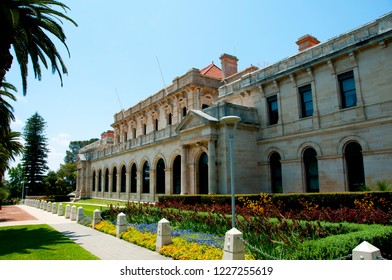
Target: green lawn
39 242
89 205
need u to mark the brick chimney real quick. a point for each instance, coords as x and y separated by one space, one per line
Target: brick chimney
307 41
229 65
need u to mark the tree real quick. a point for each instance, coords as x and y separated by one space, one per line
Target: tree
9 140
26 25
15 181
35 153
74 147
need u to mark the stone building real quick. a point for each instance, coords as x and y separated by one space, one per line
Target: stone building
317 121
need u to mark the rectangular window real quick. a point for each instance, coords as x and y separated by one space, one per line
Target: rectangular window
169 119
273 109
156 124
348 94
144 129
305 93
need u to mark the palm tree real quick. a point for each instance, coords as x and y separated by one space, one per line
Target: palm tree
10 146
25 25
9 140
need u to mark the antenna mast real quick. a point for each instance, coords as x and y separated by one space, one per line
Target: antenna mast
163 80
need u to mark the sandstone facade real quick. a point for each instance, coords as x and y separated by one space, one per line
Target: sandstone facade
317 121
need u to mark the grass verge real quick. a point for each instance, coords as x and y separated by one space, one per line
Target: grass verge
39 242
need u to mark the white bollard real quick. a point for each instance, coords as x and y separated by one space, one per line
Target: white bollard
234 246
366 251
67 211
73 213
54 208
163 234
60 210
49 207
96 218
122 224
80 215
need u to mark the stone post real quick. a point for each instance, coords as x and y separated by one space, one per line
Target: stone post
96 218
41 205
366 251
234 246
163 234
122 224
45 205
73 213
60 210
49 207
80 214
67 211
54 208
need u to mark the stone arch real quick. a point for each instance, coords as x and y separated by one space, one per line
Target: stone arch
352 138
306 145
272 150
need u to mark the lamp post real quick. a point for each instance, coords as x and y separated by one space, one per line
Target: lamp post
230 123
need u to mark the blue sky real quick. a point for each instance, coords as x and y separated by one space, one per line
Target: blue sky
114 51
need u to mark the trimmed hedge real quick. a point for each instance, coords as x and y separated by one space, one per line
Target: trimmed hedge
286 201
333 247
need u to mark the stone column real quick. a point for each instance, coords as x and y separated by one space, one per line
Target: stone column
127 184
212 186
153 183
184 170
139 182
96 183
168 181
118 184
110 185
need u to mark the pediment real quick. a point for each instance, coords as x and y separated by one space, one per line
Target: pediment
195 118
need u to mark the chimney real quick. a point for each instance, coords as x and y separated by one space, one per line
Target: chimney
229 65
307 41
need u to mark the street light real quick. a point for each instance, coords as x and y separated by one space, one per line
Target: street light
230 123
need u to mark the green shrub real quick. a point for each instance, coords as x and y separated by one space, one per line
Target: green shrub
336 246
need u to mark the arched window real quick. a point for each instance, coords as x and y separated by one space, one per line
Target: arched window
354 165
114 180
177 175
93 182
100 181
133 178
123 179
146 177
203 174
276 173
311 170
106 180
160 177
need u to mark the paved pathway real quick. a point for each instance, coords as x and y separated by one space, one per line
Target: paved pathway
104 246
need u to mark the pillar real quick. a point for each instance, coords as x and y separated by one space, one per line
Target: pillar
212 174
184 170
163 234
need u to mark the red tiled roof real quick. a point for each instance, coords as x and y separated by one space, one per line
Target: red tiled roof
212 71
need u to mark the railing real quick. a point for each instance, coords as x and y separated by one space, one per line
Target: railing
142 140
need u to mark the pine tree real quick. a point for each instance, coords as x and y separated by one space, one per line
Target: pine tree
35 154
